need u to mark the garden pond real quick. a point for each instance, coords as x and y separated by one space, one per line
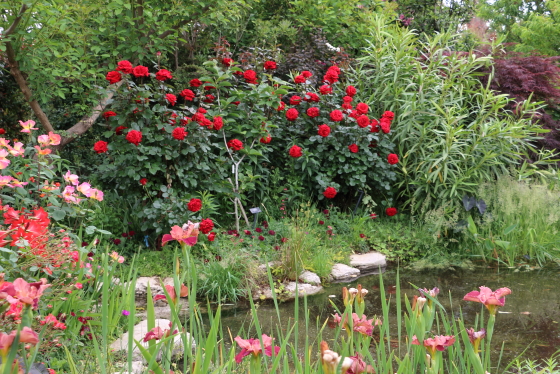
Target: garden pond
529 320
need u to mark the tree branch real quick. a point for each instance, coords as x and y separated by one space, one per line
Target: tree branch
87 121
16 22
173 29
20 79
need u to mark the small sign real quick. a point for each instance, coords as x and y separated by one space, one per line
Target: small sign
255 210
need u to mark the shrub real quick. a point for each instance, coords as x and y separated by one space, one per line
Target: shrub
452 134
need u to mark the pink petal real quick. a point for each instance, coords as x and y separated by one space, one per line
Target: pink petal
240 355
472 296
245 344
166 238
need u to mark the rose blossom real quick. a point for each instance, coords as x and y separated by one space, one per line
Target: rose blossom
172 99
235 144
295 151
391 211
325 89
179 133
353 148
163 75
313 112
269 65
124 66
336 116
330 192
113 77
392 159
194 205
324 130
140 71
100 147
292 114
134 137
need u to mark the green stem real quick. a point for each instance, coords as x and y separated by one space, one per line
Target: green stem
489 332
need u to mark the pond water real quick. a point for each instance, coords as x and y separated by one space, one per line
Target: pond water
530 317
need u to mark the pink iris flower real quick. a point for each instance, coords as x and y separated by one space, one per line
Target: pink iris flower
26 293
4 162
26 335
254 346
437 343
187 234
363 325
172 294
492 300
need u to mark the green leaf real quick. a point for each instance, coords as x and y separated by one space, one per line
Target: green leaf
58 214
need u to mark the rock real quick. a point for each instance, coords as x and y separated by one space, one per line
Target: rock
271 264
309 277
343 272
289 291
137 368
142 286
368 261
140 330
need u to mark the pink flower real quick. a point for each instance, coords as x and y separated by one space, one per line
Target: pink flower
172 294
27 126
71 178
363 325
187 234
492 300
254 346
26 293
437 343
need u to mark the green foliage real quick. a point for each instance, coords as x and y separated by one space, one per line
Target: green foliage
435 16
223 280
505 14
452 134
540 32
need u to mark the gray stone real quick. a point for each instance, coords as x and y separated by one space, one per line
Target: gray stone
140 330
137 368
368 261
142 286
309 277
288 292
343 272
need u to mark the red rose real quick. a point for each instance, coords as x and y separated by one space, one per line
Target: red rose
250 76
313 112
217 123
140 71
295 100
350 91
362 108
179 133
306 73
163 75
2 131
172 99
116 241
208 88
201 110
347 99
295 151
134 137
143 181
194 205
187 94
325 89
391 211
100 147
332 75
324 131
281 106
385 125
235 144
195 83
206 225
392 159
347 106
124 66
362 236
337 116
354 114
292 114
209 98
236 102
266 139
227 62
353 148
311 97
321 222
113 77
330 192
119 130
270 65
374 125
363 121
261 238
108 114
389 115
299 79
373 216
211 238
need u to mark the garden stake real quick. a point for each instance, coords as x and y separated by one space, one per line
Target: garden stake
359 201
